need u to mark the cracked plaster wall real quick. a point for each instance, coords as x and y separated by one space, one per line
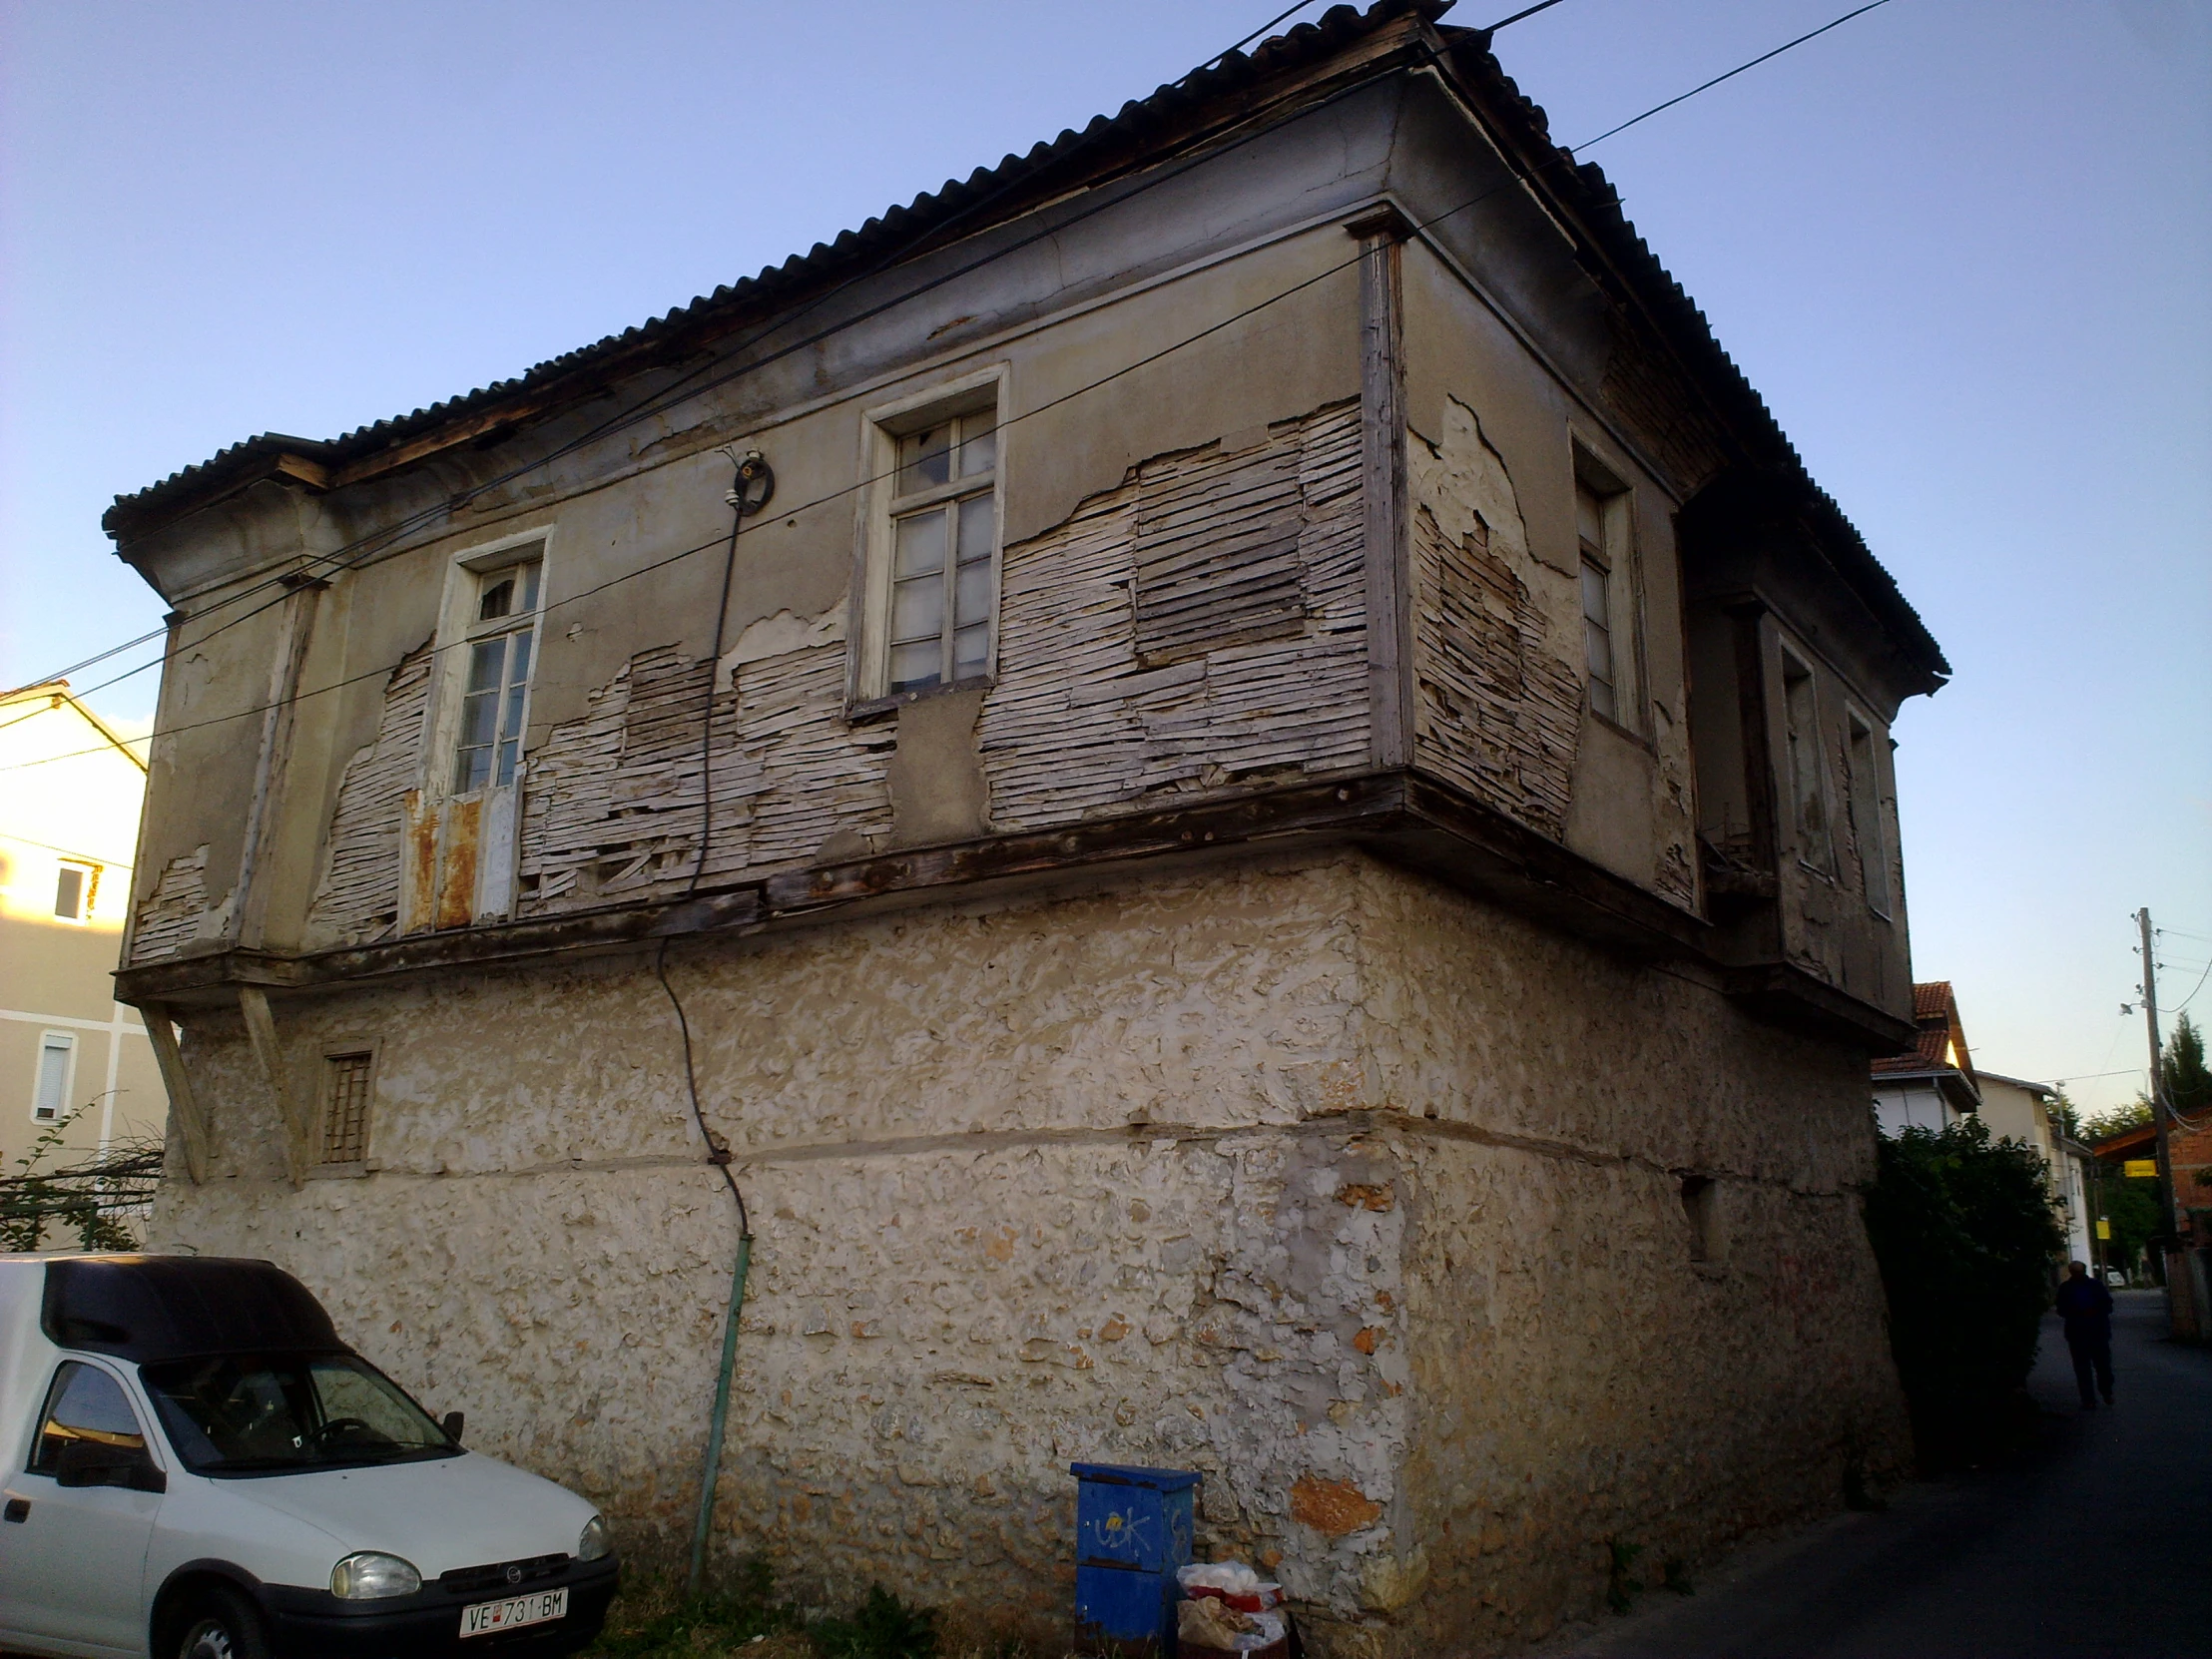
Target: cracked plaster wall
1141 1174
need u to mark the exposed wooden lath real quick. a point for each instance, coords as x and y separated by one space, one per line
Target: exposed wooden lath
169 918
1496 712
357 899
1082 723
1216 549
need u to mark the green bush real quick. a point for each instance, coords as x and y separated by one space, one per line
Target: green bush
882 1627
1965 1233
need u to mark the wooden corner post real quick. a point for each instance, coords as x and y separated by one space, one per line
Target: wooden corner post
1382 233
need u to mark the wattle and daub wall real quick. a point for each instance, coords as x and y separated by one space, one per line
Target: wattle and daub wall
1357 1194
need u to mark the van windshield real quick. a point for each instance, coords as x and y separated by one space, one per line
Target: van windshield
277 1413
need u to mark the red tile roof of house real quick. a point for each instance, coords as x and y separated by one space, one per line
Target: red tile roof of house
1941 1044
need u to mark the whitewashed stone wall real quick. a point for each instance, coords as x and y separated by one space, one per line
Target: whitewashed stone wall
1307 1174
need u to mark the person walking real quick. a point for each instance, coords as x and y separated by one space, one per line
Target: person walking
2086 1306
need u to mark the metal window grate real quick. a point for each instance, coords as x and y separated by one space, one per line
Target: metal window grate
346 1122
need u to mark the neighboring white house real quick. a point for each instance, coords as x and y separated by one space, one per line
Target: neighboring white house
2015 1109
1932 1084
1935 1083
70 1054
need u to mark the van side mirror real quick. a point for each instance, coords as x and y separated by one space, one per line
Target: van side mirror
453 1423
89 1463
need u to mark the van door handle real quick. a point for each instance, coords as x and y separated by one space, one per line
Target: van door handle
18 1509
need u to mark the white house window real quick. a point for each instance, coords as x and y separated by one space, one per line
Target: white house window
495 695
930 593
1601 529
74 887
57 1051
944 541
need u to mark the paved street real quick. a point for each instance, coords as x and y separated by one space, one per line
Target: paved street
2094 1544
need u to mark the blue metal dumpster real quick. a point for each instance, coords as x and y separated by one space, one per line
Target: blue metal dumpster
1131 1530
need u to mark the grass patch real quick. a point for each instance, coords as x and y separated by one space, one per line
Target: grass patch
747 1619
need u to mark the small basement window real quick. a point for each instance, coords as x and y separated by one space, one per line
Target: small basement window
1701 1208
345 1107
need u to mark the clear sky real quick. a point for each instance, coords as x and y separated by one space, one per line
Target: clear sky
1964 248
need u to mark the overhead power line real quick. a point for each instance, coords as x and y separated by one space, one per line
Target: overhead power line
1754 63
385 671
671 395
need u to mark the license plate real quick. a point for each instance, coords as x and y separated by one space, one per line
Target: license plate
539 1608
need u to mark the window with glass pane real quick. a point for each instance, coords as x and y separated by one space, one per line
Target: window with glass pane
1598 607
73 892
495 692
55 1050
944 534
87 1405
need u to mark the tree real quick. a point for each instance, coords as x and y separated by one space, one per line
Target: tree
2117 1119
2188 1083
2131 1206
1964 1232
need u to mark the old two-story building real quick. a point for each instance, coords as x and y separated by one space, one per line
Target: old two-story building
1276 853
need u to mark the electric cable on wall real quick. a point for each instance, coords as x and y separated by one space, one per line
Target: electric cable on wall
751 489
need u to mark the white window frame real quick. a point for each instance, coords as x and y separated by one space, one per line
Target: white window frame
881 426
458 631
499 832
63 1042
1616 560
87 895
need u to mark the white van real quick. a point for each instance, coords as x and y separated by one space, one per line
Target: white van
197 1467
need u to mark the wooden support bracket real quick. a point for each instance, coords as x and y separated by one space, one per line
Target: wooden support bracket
183 1109
261 1031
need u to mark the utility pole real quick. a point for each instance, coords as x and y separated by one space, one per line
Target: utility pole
2157 1083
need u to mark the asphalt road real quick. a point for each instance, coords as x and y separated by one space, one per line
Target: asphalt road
2098 1543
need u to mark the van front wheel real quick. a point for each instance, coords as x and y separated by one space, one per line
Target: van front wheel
220 1624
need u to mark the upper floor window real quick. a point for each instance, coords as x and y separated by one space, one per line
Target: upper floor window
503 630
933 549
1867 825
75 884
1602 521
1801 741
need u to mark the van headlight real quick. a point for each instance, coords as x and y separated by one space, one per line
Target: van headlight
370 1576
594 1545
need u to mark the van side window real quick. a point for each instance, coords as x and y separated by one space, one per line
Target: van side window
85 1403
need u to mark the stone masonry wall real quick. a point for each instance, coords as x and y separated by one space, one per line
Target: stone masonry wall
1145 1174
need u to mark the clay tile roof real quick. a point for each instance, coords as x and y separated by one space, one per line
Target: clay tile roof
1935 1011
1933 1000
1111 146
